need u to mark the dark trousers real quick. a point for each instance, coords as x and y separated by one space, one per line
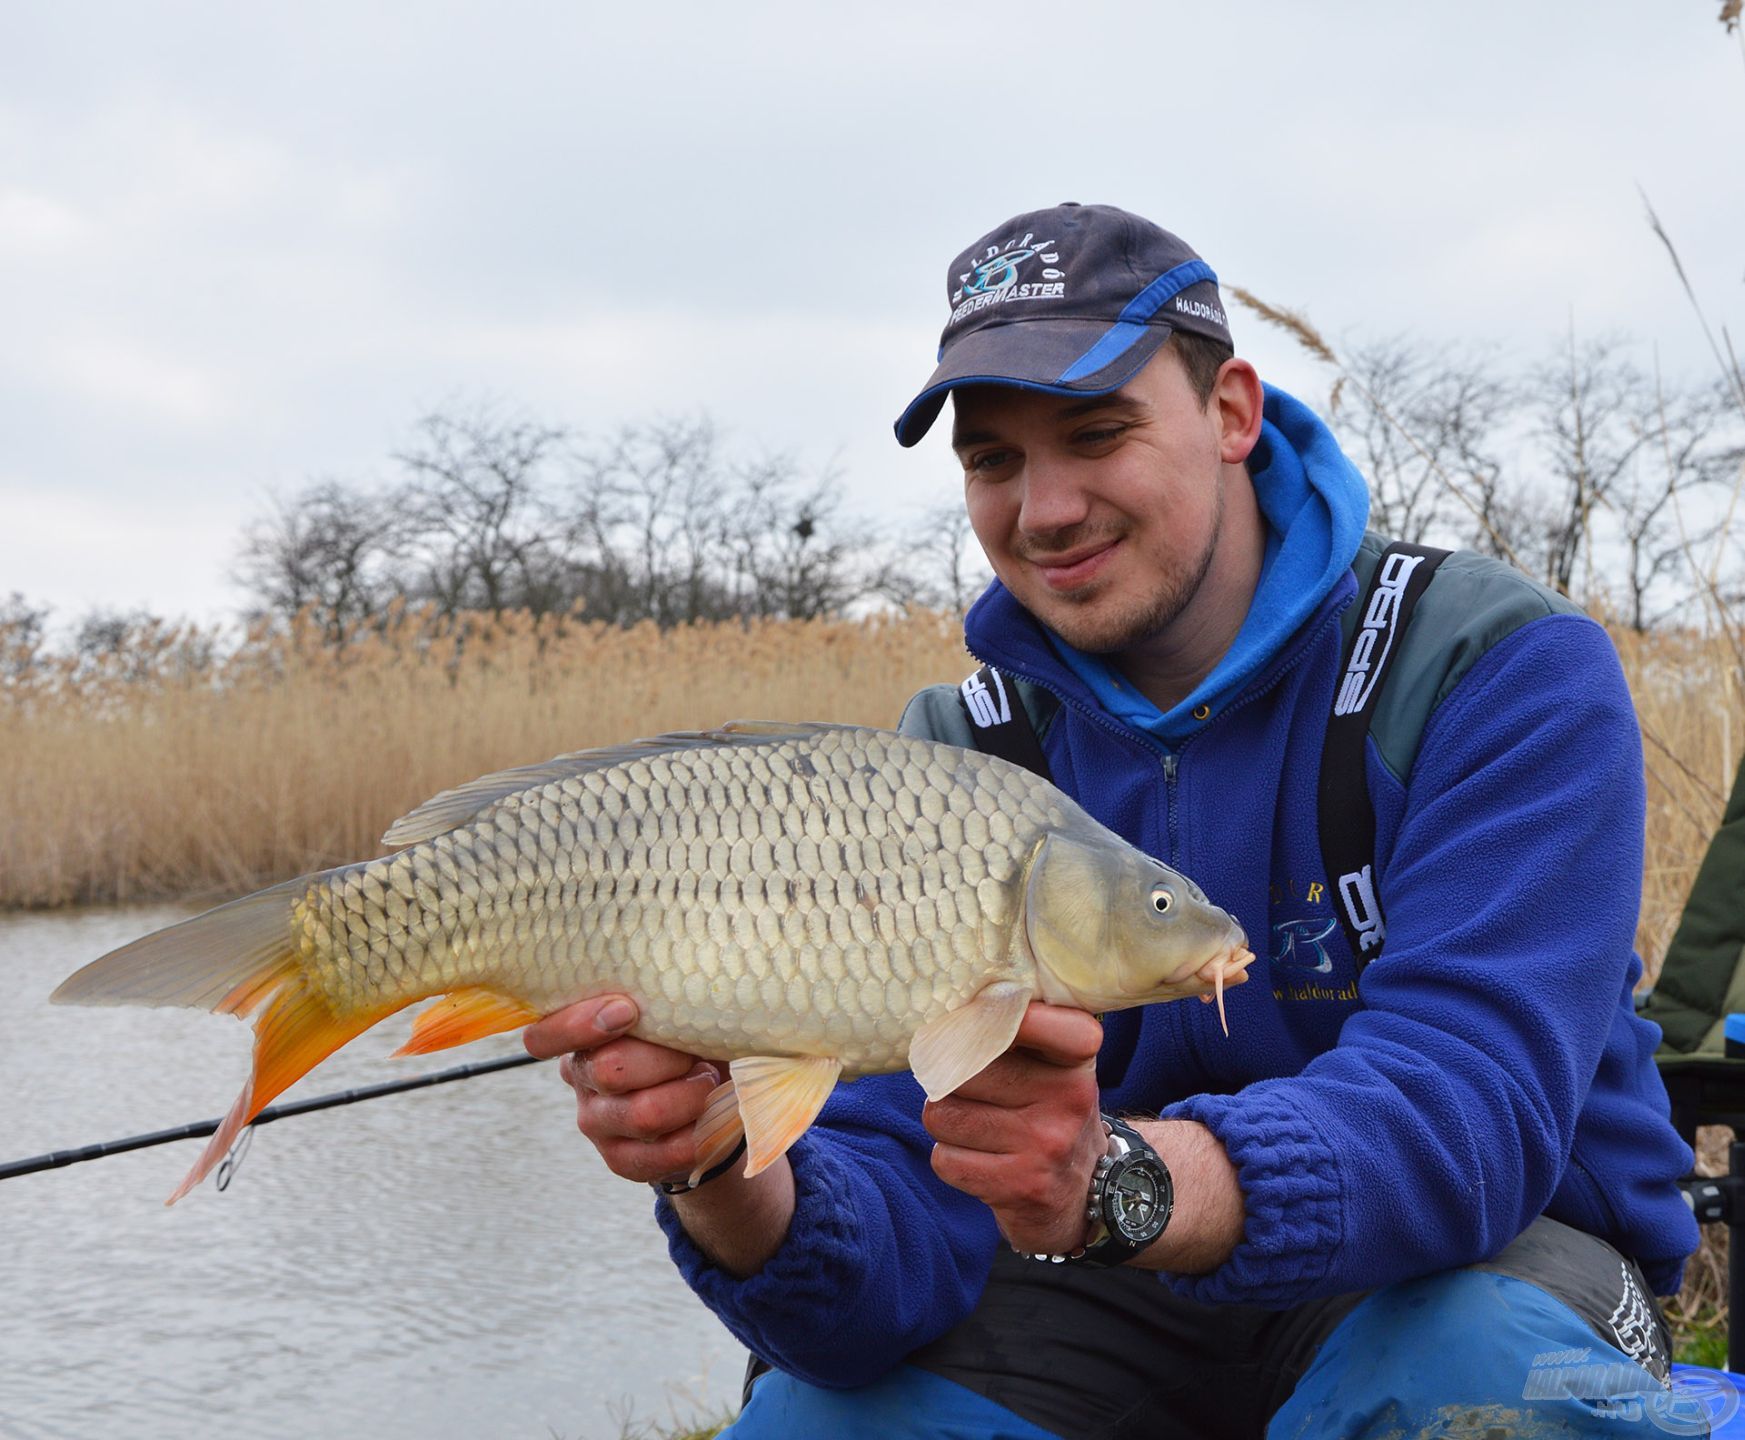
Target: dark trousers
1557 1335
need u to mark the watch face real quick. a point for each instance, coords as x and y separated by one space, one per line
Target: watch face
1137 1198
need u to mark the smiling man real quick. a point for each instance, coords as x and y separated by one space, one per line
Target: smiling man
1431 1161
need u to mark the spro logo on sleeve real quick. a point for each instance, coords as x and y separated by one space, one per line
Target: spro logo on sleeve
987 707
1357 894
1369 654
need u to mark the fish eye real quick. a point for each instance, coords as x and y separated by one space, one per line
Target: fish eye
1161 900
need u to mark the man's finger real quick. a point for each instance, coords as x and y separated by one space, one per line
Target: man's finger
1044 1135
626 1065
1059 1034
668 1158
651 1114
585 1025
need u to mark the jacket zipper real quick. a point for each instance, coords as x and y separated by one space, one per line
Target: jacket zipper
1170 765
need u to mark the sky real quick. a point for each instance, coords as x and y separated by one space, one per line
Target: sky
243 247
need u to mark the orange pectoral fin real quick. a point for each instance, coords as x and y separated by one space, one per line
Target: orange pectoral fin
470 1013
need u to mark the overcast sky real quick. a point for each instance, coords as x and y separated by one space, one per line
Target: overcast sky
242 246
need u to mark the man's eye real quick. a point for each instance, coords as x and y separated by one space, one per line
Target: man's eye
988 460
1100 436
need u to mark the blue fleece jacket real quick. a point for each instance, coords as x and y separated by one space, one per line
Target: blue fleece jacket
1486 1068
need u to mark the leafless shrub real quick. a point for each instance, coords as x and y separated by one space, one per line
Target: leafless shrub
328 549
478 535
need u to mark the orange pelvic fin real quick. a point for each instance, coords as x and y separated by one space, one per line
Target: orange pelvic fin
470 1013
779 1098
293 1034
718 1129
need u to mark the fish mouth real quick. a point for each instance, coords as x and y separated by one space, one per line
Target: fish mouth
1227 967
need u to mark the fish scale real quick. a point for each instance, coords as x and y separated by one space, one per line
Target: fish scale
812 900
866 902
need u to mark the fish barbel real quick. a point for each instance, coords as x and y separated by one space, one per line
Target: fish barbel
808 901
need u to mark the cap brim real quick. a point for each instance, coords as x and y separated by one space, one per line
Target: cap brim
1035 355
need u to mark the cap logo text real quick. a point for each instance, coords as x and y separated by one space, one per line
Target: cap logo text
993 279
1201 310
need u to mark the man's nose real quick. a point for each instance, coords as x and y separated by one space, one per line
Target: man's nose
1054 498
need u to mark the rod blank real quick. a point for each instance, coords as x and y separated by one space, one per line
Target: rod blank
199 1129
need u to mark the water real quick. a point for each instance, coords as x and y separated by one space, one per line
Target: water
452 1262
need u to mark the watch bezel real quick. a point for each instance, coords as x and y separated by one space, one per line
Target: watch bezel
1128 1150
1116 1206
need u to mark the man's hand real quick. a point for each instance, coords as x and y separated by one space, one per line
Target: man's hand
635 1101
639 1103
1024 1135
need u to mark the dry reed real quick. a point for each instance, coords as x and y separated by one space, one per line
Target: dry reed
169 769
174 769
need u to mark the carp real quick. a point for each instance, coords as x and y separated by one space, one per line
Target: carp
808 902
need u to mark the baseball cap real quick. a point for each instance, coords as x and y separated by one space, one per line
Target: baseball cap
1073 300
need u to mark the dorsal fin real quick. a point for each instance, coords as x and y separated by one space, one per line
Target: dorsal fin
453 808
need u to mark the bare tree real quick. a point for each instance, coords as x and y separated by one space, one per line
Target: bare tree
661 525
22 627
1590 424
644 524
480 538
133 647
938 562
328 548
1424 424
787 546
1687 451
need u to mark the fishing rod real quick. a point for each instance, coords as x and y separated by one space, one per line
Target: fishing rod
199 1129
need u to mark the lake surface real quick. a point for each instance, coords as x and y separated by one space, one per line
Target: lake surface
453 1262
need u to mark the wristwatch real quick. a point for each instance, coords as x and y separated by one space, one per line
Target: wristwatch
1131 1199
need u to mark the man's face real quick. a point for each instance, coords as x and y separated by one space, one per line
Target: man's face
1100 515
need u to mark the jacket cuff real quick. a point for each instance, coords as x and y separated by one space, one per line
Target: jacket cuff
1292 1191
819 1269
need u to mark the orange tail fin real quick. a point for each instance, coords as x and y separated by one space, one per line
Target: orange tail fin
231 960
292 1035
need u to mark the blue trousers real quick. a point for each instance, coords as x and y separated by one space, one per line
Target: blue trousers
1470 1354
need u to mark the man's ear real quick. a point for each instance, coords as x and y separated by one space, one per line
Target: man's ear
1236 403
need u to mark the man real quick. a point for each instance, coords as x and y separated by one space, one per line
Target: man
1424 1194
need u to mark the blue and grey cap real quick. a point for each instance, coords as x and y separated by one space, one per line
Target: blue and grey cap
1073 300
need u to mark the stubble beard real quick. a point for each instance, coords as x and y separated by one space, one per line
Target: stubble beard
1114 626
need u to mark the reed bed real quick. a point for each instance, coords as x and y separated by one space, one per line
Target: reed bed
177 767
172 768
